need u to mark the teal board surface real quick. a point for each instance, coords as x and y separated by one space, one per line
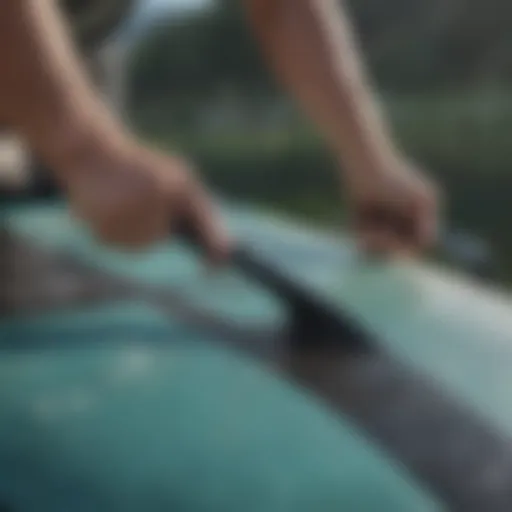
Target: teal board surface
211 419
453 330
121 408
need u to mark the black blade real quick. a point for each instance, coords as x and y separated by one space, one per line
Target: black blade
448 448
313 321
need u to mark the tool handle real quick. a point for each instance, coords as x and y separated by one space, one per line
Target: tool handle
247 261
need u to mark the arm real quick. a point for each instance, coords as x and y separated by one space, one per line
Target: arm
310 45
44 93
128 194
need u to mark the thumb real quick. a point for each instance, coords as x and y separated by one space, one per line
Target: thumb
203 217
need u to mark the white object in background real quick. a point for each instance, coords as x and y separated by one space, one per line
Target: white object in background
14 161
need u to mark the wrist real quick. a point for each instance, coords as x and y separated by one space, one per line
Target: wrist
363 140
68 148
369 164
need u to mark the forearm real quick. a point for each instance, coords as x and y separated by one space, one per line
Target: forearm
44 93
310 44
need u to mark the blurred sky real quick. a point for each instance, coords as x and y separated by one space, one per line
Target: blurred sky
148 11
176 4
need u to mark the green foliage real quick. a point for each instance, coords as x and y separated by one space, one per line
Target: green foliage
444 65
198 55
463 141
411 45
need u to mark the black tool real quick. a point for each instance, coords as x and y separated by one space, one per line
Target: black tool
314 321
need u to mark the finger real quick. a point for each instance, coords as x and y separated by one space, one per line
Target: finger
200 212
427 226
382 234
130 239
381 243
136 232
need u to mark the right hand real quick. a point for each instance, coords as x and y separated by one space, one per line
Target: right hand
395 209
132 197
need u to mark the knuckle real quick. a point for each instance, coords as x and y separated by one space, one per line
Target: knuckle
106 237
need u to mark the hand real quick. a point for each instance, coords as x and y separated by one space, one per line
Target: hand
394 210
132 197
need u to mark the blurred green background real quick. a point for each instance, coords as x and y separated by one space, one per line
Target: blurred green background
442 68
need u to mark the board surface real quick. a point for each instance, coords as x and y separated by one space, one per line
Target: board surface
119 407
449 329
455 331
